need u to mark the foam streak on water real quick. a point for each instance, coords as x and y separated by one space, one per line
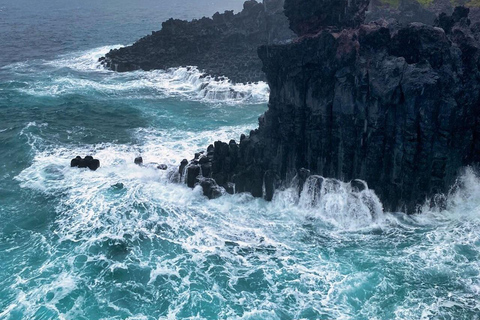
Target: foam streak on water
184 82
123 242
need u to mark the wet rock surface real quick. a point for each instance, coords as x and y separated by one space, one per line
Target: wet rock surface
396 107
222 46
87 162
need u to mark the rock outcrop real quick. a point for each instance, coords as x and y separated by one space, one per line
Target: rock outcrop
408 11
87 162
222 46
397 108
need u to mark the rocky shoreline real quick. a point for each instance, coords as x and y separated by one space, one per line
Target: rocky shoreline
398 107
222 46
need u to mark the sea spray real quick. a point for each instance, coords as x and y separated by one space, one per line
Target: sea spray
184 82
241 233
124 242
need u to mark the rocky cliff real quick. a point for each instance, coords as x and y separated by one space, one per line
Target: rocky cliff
224 45
398 108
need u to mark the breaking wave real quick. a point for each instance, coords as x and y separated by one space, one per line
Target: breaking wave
330 252
123 242
81 73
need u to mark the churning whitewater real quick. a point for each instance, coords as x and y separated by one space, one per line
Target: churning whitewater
124 242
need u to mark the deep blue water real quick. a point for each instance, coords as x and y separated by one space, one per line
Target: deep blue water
124 243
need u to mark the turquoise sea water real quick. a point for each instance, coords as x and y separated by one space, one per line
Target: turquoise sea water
124 243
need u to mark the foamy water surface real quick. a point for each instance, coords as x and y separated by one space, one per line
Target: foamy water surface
124 242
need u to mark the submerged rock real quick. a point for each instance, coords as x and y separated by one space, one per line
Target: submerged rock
87 162
118 186
138 160
397 107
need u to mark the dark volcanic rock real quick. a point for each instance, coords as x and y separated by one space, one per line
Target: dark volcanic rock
210 188
399 110
224 45
310 16
193 174
87 162
162 167
75 162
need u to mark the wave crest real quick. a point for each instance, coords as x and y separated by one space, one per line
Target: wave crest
82 73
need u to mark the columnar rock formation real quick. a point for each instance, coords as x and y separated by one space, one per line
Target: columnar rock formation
399 109
224 46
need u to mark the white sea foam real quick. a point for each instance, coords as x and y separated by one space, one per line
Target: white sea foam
88 76
301 254
187 83
124 232
83 61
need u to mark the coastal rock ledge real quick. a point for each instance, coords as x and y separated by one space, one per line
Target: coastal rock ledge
396 107
222 46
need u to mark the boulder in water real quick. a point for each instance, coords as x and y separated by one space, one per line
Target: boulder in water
210 188
358 185
75 162
94 164
87 162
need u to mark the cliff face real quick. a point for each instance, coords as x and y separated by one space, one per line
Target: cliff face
399 109
278 30
225 45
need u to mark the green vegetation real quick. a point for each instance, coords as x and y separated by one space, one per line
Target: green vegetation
473 3
393 3
396 3
427 3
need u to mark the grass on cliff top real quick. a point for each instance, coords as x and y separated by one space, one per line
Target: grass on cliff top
427 3
396 3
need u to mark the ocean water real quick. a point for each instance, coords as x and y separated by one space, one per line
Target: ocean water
125 243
